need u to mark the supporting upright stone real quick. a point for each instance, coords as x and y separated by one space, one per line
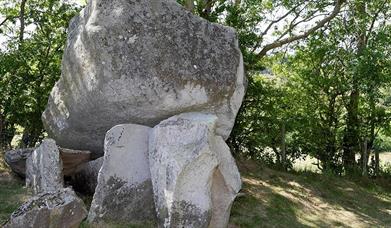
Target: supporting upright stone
183 162
226 184
44 168
16 159
124 191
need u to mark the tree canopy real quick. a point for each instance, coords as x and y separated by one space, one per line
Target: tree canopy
318 71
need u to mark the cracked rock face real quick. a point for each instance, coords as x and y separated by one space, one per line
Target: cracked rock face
44 168
61 208
194 176
142 61
124 191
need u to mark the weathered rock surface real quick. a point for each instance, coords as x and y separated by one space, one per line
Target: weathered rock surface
183 163
72 160
142 62
226 184
62 209
44 168
86 179
124 191
16 160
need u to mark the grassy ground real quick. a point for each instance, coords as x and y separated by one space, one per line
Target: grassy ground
277 199
12 193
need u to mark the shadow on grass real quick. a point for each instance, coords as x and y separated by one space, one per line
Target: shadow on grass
278 199
367 201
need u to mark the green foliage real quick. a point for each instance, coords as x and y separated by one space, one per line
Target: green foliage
324 97
334 94
382 143
30 67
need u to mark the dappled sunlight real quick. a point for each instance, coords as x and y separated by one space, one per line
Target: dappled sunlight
313 201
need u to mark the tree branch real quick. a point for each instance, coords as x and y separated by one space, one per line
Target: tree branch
279 19
291 39
375 17
5 20
21 18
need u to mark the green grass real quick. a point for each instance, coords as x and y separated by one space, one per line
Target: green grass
278 199
84 224
12 195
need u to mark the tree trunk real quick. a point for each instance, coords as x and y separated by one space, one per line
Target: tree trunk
283 147
21 18
2 128
377 163
330 147
189 5
351 137
364 158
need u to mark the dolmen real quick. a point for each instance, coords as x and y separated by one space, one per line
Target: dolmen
152 91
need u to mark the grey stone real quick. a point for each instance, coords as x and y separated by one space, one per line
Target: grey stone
44 168
59 209
124 190
226 184
16 160
142 62
86 179
183 161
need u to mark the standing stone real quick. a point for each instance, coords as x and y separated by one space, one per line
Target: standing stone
58 209
142 62
86 179
124 190
44 168
226 184
16 160
183 162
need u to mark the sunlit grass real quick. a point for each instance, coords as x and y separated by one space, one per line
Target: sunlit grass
277 199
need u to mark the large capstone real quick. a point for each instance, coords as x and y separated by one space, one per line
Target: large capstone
142 62
124 191
194 176
61 208
16 160
44 168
